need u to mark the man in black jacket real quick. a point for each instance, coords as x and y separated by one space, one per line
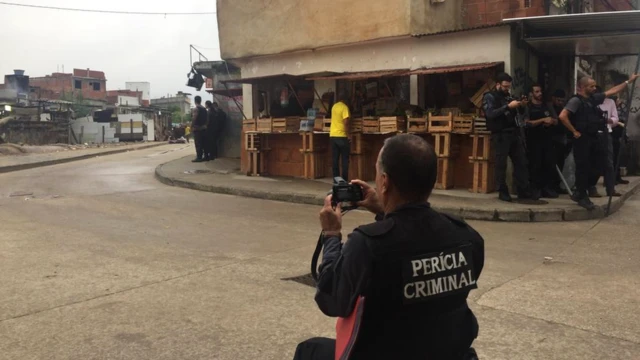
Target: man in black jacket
199 121
502 112
402 281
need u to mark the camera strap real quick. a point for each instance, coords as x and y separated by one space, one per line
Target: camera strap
314 259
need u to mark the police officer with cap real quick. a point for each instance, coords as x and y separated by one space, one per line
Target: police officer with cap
501 112
399 286
585 120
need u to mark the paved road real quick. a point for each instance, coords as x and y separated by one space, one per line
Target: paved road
103 262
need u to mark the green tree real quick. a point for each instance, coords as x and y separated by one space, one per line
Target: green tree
177 116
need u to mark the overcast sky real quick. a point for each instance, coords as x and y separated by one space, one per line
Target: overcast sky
125 47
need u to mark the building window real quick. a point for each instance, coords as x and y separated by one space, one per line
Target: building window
96 86
78 84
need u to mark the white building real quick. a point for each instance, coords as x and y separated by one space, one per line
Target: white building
142 86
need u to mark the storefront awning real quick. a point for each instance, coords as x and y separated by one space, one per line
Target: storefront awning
226 92
455 68
587 34
261 79
362 75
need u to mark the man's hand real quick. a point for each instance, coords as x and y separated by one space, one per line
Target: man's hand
330 219
371 201
548 121
514 104
576 134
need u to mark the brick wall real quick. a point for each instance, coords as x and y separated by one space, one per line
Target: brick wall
617 5
488 12
87 88
53 85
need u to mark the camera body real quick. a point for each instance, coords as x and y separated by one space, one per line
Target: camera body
343 192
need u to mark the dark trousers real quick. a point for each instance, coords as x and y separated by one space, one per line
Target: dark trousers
508 144
591 158
316 349
200 138
340 149
213 138
542 163
561 151
607 170
616 144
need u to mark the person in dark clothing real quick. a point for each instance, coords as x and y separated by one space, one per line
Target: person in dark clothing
199 120
539 118
401 283
585 120
561 138
617 135
501 112
217 119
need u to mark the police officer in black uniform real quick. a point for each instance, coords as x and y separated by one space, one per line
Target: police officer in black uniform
539 119
199 121
501 112
412 269
584 119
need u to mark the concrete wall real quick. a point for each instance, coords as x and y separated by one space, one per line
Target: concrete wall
468 47
88 131
143 87
128 100
34 132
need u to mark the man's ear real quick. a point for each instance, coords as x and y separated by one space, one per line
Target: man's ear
385 183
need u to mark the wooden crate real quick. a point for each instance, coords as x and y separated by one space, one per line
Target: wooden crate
356 143
286 125
446 145
483 177
252 141
249 125
445 177
326 125
440 124
417 125
454 111
315 165
257 163
463 124
481 149
370 125
356 125
476 99
480 126
264 125
392 124
318 124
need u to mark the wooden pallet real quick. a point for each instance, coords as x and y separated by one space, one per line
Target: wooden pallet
440 124
480 126
286 125
392 124
264 125
370 125
476 99
249 125
355 125
481 149
417 125
318 124
356 144
445 145
444 179
463 124
483 177
315 165
252 141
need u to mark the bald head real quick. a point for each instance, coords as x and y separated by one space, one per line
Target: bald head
586 86
411 165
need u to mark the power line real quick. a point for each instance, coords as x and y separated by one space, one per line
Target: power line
103 11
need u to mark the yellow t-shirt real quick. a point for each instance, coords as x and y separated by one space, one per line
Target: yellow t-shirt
339 112
187 130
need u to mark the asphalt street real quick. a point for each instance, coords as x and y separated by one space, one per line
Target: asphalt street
98 260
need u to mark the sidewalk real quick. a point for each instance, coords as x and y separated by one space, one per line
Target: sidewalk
10 163
222 176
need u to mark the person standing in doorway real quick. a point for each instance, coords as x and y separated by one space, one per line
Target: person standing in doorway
610 111
339 135
199 120
539 118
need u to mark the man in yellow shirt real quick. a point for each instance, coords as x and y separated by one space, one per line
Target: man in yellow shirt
339 135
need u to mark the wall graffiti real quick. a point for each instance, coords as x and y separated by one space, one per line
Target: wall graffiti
519 81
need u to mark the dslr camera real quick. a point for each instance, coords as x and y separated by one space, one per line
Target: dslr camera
343 192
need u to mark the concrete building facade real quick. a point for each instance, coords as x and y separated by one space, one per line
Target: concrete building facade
91 84
181 100
143 87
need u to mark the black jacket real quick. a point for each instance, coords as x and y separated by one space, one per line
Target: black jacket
496 110
402 319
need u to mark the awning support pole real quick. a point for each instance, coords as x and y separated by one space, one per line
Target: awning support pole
319 98
235 101
629 103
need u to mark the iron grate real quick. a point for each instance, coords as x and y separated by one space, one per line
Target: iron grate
302 279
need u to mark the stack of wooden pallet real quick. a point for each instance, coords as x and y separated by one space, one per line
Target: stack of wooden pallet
440 124
463 124
356 125
483 164
392 124
257 146
286 125
249 125
480 125
370 125
315 160
476 99
417 125
264 125
446 149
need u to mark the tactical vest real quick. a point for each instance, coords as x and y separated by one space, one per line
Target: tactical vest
504 122
415 307
589 118
202 118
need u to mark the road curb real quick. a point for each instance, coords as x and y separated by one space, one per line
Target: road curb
11 168
486 214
